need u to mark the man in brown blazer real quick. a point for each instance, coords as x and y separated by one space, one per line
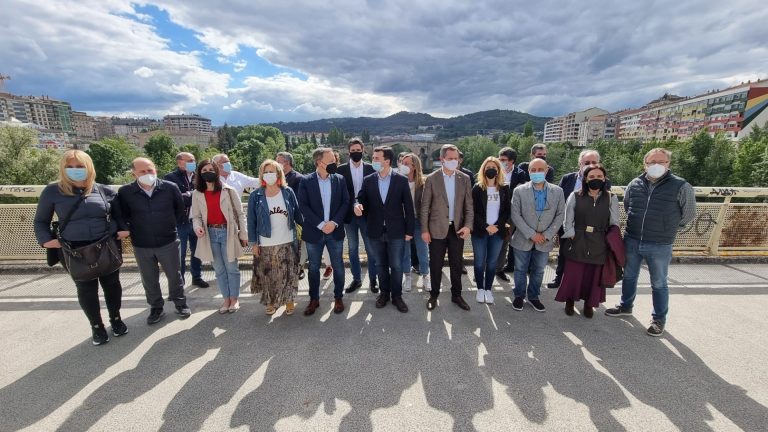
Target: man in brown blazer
446 218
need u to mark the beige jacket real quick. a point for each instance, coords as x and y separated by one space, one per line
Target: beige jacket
434 205
199 216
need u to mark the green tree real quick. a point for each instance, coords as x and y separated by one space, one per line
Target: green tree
302 158
750 167
476 149
528 129
313 139
254 144
225 137
23 164
366 136
161 150
335 137
108 162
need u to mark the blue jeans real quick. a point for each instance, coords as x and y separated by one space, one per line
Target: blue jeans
422 251
389 253
657 256
487 249
353 241
529 267
187 234
315 254
227 272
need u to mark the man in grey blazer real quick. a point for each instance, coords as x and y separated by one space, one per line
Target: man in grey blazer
538 210
446 220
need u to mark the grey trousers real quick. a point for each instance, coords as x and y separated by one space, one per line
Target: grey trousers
168 257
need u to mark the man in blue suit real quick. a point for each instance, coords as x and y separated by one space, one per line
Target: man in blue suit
386 203
324 203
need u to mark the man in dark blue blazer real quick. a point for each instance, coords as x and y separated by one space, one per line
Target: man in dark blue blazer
324 202
569 183
386 203
184 178
355 226
538 151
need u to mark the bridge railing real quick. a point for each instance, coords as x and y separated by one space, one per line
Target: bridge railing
720 228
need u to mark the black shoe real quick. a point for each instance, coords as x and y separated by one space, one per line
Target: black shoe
569 307
460 302
353 286
382 301
509 268
155 315
554 284
464 270
432 302
183 311
656 329
118 327
374 288
618 311
537 306
400 304
503 276
200 283
301 274
518 303
100 336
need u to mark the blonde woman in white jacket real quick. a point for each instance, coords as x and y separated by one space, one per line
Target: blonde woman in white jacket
219 223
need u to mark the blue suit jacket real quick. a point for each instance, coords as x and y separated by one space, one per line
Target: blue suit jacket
311 205
396 213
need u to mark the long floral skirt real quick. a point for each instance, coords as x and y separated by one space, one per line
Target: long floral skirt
275 275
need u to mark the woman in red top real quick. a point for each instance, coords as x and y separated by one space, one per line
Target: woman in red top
219 223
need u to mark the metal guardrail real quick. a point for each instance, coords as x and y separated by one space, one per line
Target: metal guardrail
719 228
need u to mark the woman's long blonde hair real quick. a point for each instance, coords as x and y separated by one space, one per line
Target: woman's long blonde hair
418 174
66 186
482 181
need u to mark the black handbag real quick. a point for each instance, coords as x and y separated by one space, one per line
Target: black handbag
53 255
94 260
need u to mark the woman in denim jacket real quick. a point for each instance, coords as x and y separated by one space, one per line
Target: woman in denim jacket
273 216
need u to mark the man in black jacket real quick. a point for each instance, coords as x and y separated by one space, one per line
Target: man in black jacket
570 183
293 178
385 200
152 208
184 178
538 151
512 178
353 173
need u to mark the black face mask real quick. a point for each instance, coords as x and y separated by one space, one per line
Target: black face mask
356 156
596 184
331 168
490 173
209 176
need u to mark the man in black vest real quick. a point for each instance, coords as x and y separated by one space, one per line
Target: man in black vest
658 205
184 177
570 183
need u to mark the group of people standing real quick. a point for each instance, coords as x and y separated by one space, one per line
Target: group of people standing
512 214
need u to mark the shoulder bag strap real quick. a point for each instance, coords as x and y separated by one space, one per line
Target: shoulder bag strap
63 222
232 201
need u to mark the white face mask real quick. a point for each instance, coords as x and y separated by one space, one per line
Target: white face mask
270 178
404 170
451 165
148 179
656 170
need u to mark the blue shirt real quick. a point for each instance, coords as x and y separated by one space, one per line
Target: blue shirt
541 199
325 196
450 191
384 185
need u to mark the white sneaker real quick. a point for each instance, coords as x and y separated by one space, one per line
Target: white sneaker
425 283
480 297
408 283
488 296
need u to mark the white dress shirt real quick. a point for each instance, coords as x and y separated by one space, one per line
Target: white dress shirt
239 182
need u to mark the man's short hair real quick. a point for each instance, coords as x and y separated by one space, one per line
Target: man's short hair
216 158
317 155
287 156
539 146
387 151
182 155
589 151
446 148
355 140
666 152
508 153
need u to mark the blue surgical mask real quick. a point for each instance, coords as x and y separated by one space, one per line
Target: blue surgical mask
538 177
227 167
191 167
377 166
76 174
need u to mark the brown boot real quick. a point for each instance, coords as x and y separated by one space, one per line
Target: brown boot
588 311
312 307
338 306
569 307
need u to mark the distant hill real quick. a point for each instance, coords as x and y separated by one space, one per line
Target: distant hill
407 122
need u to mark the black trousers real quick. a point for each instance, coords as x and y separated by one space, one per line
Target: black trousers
437 248
561 259
88 296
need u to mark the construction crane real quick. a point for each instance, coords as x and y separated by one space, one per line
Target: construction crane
3 79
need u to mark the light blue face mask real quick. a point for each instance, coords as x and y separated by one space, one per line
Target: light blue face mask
227 167
191 167
76 174
377 166
538 177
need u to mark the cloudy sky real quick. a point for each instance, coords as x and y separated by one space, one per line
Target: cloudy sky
261 61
